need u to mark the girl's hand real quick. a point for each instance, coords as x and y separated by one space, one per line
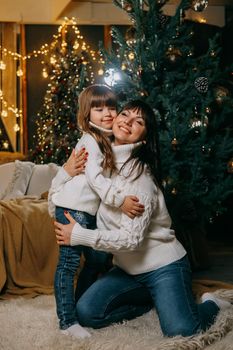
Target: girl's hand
75 165
131 207
63 232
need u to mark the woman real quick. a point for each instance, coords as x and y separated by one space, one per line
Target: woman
151 266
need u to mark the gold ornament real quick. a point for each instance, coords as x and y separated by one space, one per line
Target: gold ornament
220 93
173 53
131 56
230 166
174 191
199 5
126 6
174 143
130 36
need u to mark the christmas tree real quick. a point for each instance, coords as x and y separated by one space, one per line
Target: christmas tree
68 63
191 95
5 145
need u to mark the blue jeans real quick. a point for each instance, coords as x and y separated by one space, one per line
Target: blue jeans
118 296
96 262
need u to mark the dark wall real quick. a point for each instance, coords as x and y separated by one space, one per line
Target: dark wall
36 36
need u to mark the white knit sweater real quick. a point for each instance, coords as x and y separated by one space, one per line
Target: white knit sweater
139 245
83 192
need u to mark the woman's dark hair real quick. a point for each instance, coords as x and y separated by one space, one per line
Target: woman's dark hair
148 153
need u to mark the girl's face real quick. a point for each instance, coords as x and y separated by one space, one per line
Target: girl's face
129 127
103 116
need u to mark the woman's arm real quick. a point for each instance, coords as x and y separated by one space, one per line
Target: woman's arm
128 237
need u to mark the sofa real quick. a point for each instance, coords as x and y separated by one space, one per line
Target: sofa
28 249
20 178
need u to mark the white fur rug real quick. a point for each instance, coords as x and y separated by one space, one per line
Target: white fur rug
31 324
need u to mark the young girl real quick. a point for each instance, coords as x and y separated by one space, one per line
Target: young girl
151 266
80 196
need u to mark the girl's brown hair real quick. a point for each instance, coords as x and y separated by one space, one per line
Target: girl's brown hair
96 95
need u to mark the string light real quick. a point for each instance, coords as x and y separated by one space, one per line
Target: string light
44 51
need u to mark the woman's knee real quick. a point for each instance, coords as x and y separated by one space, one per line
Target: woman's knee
85 313
182 329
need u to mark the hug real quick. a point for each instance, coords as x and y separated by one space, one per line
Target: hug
113 176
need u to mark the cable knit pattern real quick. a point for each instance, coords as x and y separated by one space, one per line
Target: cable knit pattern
139 245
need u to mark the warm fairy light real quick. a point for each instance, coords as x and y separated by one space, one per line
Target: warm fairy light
4 114
16 127
5 144
201 20
2 65
76 45
45 73
45 51
100 71
19 72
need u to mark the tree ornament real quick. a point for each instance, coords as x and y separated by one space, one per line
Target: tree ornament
201 84
162 19
131 55
139 71
174 191
130 36
221 93
230 166
199 5
126 6
173 55
174 143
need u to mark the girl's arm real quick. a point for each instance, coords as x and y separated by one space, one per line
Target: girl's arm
75 165
102 185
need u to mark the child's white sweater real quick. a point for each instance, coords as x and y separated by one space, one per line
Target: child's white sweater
139 245
83 192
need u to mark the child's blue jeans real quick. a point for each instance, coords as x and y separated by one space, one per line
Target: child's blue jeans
95 262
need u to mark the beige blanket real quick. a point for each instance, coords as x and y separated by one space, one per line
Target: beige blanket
28 249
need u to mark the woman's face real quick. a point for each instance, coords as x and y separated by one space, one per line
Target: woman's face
129 127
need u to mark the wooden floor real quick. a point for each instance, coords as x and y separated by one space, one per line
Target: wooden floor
221 263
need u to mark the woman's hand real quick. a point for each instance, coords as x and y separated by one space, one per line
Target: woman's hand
75 165
63 232
131 207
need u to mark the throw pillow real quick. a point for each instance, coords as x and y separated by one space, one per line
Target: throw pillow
19 181
41 178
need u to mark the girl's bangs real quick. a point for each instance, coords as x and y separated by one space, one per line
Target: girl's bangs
108 99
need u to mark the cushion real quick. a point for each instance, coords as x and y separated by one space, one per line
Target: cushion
6 174
19 180
42 175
